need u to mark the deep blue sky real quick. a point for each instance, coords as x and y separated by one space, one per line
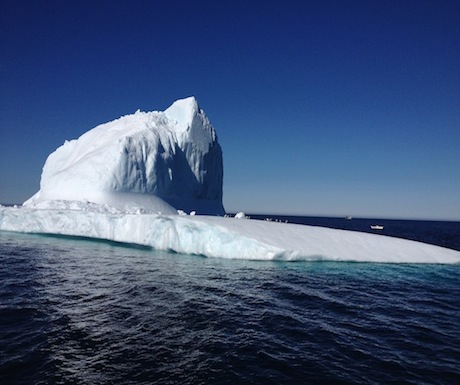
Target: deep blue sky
321 107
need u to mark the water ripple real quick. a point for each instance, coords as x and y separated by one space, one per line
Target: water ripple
80 312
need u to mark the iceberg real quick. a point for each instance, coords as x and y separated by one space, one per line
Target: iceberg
142 178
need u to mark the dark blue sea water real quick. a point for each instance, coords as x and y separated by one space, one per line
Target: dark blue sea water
75 311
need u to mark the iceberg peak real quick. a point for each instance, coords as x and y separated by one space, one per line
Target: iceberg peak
183 111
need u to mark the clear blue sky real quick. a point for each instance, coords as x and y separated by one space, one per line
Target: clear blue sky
321 107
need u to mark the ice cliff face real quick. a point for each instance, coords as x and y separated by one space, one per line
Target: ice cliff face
153 161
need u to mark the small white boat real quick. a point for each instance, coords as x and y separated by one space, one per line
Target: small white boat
376 227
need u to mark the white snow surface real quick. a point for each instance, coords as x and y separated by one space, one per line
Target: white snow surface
155 161
220 237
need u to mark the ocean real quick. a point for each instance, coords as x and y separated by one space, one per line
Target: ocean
80 311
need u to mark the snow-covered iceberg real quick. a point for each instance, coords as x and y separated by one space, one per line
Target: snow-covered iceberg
129 180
